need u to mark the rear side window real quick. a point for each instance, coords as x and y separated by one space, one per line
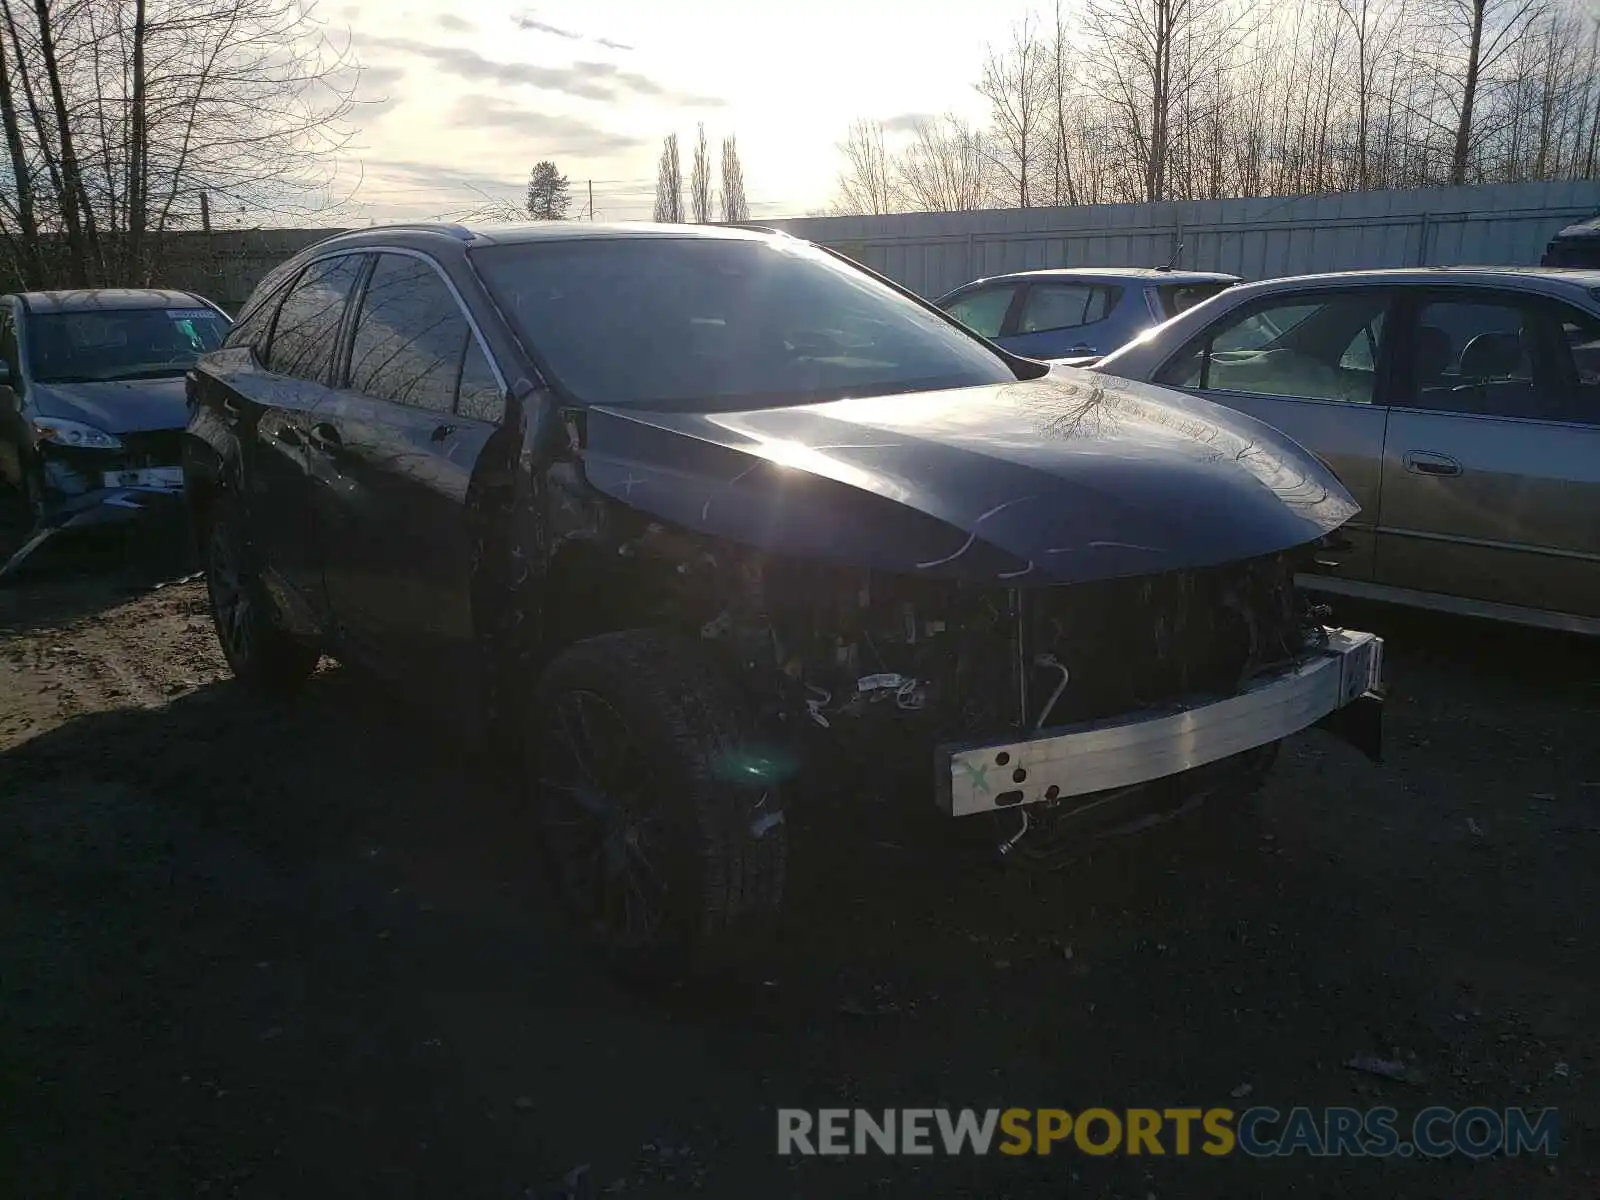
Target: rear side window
984 310
410 336
1505 356
1181 297
308 323
1065 306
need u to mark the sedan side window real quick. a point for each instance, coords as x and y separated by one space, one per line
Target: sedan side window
308 323
410 336
1484 357
1580 340
1325 349
983 311
1064 306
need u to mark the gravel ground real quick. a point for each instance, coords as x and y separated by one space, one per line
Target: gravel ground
252 951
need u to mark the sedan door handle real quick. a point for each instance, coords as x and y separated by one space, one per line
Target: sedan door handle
1426 462
230 409
441 432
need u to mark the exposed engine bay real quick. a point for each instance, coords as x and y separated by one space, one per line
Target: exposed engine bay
843 649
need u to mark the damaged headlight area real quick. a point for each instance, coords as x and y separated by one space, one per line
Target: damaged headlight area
58 431
842 650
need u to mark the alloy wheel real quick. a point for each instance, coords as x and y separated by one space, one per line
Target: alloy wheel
600 823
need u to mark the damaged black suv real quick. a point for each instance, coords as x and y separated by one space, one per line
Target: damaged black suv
675 508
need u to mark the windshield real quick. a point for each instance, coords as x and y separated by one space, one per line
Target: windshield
134 343
706 324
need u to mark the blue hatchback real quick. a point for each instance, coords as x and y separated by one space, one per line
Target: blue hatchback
1077 312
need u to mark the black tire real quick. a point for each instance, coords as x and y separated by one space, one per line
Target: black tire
262 656
671 853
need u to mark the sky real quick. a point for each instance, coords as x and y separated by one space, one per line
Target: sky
457 102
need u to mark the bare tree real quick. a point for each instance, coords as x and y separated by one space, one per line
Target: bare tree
1016 83
867 183
549 193
734 205
700 180
1188 99
1147 59
1484 31
120 115
669 183
946 168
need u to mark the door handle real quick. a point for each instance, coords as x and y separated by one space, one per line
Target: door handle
440 432
230 409
1426 462
324 436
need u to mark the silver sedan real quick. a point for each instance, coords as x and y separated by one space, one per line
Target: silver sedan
1460 406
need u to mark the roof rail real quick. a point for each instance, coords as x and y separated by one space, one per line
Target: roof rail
445 228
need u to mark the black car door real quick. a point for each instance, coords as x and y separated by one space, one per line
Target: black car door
272 372
398 454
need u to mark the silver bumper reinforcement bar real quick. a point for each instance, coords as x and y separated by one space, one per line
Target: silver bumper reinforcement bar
1123 751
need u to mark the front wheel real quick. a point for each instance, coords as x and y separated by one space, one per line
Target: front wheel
661 820
260 653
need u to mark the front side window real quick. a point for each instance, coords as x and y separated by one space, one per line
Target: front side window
252 330
480 396
983 311
308 323
1064 306
410 336
1323 349
101 345
715 324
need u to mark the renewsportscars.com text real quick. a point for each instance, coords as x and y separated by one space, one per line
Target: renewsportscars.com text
1256 1132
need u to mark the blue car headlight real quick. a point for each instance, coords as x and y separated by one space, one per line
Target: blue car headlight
58 431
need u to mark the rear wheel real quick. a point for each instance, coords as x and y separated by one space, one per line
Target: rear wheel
661 824
260 653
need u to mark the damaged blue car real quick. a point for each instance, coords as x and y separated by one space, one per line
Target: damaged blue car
92 405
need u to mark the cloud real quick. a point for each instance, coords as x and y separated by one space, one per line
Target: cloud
585 80
551 133
385 173
906 122
527 21
453 22
379 78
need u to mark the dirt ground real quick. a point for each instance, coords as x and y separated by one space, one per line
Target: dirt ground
259 952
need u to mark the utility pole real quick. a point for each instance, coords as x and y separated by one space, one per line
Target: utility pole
205 212
591 199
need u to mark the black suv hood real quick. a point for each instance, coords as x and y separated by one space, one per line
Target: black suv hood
1068 478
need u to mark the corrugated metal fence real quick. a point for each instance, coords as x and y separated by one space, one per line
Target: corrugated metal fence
1506 224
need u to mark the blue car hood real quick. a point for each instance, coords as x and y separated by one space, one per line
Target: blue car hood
1071 477
118 406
